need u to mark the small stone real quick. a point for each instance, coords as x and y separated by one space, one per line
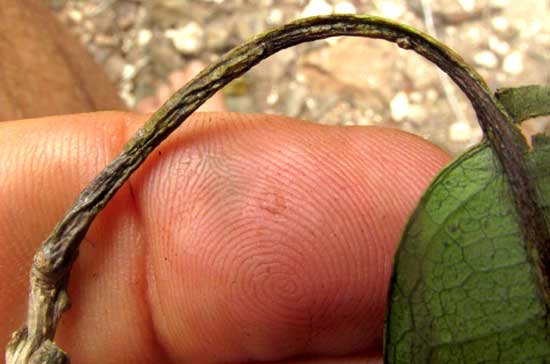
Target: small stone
417 113
399 106
104 40
500 23
317 7
311 103
128 71
416 97
460 131
450 30
486 59
75 16
272 98
144 37
432 94
344 7
531 28
390 9
363 121
474 34
467 5
513 63
187 39
498 46
128 44
127 95
275 16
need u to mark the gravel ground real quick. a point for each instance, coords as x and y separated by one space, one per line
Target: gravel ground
347 81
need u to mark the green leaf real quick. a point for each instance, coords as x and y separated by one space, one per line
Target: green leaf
466 287
526 101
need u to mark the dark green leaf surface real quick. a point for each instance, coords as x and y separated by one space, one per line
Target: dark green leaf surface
464 288
525 102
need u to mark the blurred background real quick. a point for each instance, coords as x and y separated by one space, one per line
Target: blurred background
345 81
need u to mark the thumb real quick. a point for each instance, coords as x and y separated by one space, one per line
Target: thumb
242 238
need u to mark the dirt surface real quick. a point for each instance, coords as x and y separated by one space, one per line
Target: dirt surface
347 81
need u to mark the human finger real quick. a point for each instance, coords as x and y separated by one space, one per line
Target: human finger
241 238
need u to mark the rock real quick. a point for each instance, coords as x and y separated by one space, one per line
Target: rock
500 23
127 95
144 37
498 46
273 97
275 16
390 9
317 7
344 7
399 106
513 63
486 59
75 16
417 113
467 5
128 71
187 39
526 14
104 40
416 97
460 131
432 95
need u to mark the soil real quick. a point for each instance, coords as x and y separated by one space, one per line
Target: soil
345 81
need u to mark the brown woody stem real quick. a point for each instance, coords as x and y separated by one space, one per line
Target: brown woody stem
52 263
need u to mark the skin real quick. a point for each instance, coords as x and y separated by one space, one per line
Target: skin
43 69
244 238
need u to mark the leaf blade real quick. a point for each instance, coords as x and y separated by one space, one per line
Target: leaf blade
525 102
464 284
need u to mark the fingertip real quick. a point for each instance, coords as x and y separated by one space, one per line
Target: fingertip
275 237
